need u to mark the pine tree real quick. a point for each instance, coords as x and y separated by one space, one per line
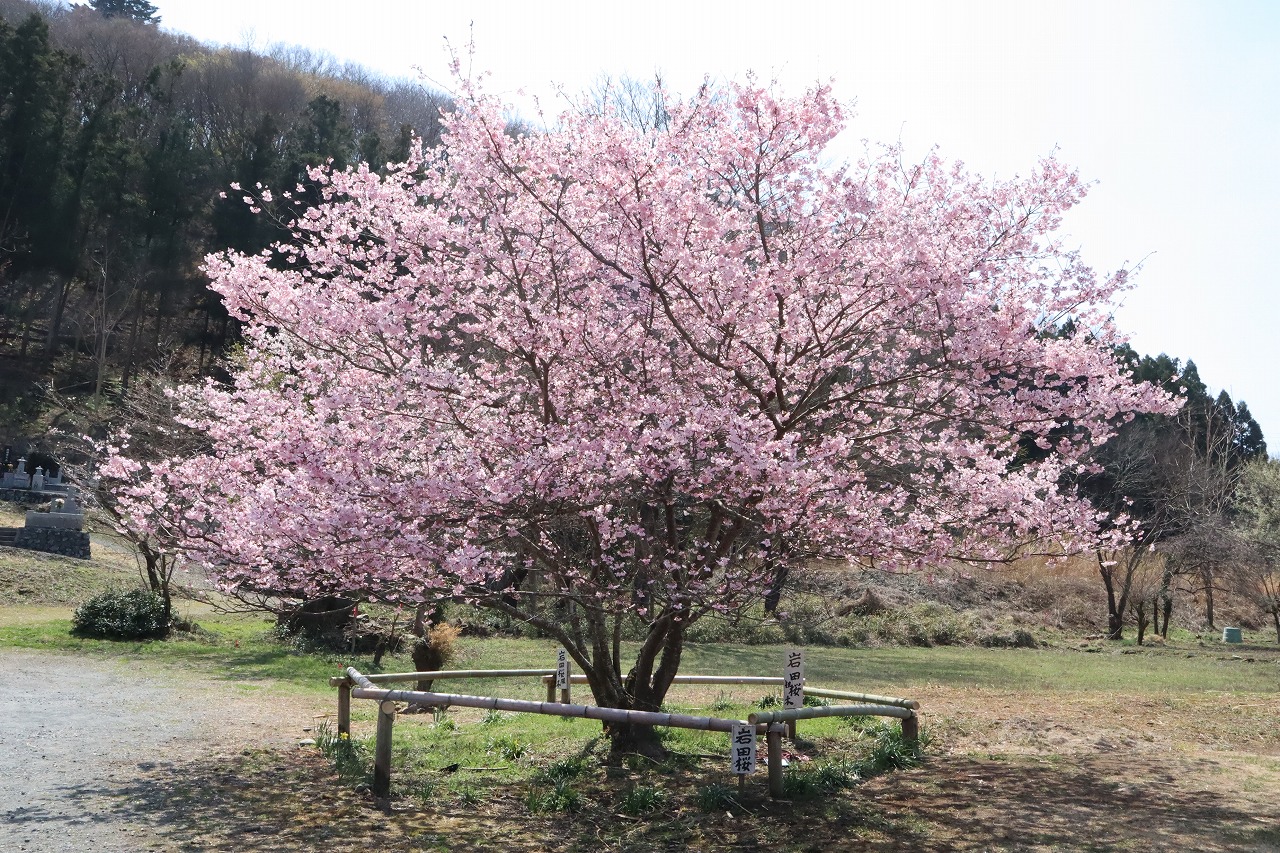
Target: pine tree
138 10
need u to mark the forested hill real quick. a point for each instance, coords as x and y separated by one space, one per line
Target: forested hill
116 140
119 145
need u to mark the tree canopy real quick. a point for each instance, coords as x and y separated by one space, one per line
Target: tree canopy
135 10
606 373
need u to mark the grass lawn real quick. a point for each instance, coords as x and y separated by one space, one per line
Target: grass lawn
1027 749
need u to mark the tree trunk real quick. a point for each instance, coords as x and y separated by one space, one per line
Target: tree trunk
1166 601
644 689
632 739
158 577
132 355
1275 614
1141 610
59 309
1207 574
1115 619
425 658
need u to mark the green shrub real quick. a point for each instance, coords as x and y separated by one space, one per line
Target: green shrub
804 781
643 799
890 751
508 747
769 700
561 771
723 702
558 798
350 757
1018 639
717 797
135 614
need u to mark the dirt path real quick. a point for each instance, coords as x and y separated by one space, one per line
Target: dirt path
74 745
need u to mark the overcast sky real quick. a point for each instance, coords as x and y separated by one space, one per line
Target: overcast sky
1173 108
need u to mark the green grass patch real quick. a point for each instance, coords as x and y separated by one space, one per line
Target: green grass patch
242 646
31 577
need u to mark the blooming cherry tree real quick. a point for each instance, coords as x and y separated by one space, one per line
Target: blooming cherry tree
605 373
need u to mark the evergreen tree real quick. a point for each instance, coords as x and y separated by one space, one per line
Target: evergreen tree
137 10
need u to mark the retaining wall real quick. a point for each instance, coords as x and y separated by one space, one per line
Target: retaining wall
51 540
26 496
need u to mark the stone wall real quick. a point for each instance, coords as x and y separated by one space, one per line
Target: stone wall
59 520
25 496
51 540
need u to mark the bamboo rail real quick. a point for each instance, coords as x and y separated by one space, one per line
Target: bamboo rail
811 711
546 674
367 690
440 674
549 674
548 677
773 681
869 698
770 723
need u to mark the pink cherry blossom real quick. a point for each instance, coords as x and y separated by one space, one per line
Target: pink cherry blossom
600 374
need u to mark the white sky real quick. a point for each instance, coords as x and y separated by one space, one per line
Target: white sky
1172 107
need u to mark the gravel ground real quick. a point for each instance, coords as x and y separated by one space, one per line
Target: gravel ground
73 742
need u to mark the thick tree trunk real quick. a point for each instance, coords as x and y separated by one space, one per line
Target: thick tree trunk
644 688
425 657
630 739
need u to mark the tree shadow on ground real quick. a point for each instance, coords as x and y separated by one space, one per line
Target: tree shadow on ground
290 801
1083 802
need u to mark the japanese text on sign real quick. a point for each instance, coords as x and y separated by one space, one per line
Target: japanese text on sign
793 679
562 670
742 748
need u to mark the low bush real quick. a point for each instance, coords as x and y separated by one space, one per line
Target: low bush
350 757
135 614
507 747
643 799
560 797
813 779
717 797
561 771
889 749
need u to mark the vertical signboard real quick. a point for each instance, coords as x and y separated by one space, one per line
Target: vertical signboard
793 679
742 748
562 670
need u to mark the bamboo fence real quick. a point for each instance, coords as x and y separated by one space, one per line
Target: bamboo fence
772 724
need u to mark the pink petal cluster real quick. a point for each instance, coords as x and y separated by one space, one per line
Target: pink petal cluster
655 367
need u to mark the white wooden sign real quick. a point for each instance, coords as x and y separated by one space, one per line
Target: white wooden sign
793 679
742 748
562 670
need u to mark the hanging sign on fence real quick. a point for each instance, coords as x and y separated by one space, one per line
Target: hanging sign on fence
742 748
793 679
562 670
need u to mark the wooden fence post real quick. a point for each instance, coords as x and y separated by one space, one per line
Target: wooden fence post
382 754
550 681
344 708
773 736
911 728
